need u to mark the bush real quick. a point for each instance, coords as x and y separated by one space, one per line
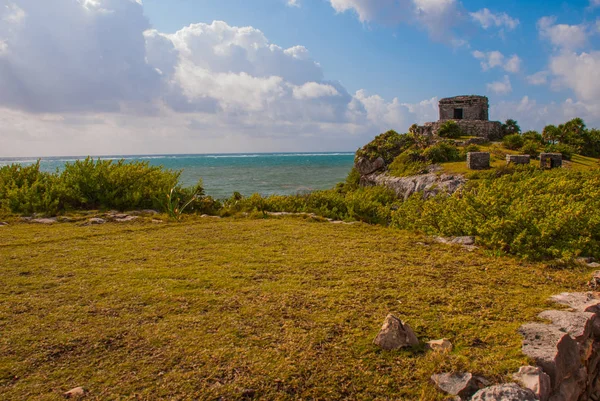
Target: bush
530 213
531 148
442 152
513 141
410 162
450 129
566 150
387 145
510 127
533 136
467 149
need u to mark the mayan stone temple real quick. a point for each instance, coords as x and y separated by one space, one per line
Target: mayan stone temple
471 113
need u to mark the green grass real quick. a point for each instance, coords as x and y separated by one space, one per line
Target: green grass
285 307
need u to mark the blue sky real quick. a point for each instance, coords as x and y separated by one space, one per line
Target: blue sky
194 76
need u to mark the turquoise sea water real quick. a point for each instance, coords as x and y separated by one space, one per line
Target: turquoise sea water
263 173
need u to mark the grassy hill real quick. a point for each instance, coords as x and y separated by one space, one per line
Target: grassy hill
242 308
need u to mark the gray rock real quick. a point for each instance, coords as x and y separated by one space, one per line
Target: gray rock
125 219
64 219
366 167
584 260
463 385
579 301
578 324
553 350
595 281
593 265
429 185
504 392
43 221
442 345
534 379
395 334
96 220
463 241
3 223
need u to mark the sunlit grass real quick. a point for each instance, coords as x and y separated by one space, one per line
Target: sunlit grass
278 308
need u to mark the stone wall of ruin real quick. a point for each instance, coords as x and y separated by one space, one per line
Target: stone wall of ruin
491 130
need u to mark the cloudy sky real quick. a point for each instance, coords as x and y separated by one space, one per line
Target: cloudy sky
97 77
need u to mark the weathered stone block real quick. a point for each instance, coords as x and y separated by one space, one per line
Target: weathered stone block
551 160
518 159
464 108
478 160
489 130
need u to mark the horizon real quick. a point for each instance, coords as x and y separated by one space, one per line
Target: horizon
133 77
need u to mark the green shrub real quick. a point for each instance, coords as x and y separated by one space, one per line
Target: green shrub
387 145
442 152
566 150
450 129
467 149
510 127
531 148
513 141
410 162
533 136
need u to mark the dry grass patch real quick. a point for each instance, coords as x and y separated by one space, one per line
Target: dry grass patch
275 309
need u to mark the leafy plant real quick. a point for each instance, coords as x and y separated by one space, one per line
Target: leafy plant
450 129
513 141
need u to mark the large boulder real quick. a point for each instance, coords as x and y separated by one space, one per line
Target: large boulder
504 392
429 184
366 166
395 334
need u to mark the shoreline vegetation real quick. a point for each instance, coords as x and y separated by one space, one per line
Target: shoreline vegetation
520 210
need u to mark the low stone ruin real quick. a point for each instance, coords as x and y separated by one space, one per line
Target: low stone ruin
518 159
478 160
551 160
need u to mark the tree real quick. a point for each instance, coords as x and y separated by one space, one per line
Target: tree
511 127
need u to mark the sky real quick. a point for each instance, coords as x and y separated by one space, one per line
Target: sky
116 77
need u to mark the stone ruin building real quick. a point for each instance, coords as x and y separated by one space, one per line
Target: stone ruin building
471 113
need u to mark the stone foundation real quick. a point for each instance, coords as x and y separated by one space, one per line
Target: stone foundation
550 160
491 130
518 159
478 160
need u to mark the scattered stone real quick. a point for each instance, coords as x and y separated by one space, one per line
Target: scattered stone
2 224
43 221
594 265
366 167
76 392
478 160
504 392
156 221
584 260
25 219
395 334
579 301
125 219
96 220
442 345
205 216
463 385
64 219
464 241
534 379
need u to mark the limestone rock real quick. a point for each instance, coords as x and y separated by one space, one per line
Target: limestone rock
429 185
2 224
584 260
442 345
463 241
579 301
125 219
463 385
77 392
366 167
504 392
553 350
157 221
534 379
96 220
43 221
395 334
578 324
594 265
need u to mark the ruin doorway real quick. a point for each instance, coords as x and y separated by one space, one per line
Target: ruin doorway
458 114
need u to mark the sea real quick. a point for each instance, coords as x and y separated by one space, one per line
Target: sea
222 174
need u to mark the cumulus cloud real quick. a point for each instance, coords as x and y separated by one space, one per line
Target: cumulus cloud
487 19
293 3
579 72
539 78
438 17
502 87
495 59
562 35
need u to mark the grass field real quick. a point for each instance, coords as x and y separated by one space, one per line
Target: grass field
241 308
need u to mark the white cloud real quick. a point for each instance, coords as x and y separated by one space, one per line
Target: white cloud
438 17
494 59
488 19
293 3
13 14
313 90
503 87
539 78
562 35
579 72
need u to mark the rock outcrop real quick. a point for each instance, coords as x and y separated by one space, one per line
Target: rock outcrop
462 385
504 392
429 184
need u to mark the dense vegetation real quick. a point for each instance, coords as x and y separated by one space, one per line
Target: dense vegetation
233 309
